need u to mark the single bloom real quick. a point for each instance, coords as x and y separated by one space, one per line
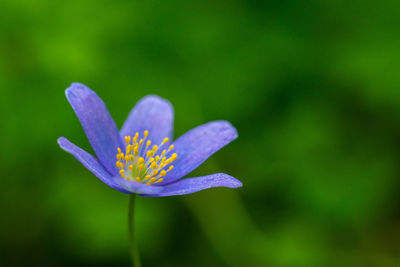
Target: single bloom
141 158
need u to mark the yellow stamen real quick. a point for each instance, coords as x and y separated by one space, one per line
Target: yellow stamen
148 168
174 157
134 140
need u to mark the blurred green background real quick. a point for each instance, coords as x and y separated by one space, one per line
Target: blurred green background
312 87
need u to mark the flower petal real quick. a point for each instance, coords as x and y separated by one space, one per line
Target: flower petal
136 187
191 185
197 145
97 123
90 163
151 113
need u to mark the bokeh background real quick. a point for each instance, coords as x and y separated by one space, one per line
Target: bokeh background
312 86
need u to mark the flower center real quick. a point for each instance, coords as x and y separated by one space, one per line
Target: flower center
143 163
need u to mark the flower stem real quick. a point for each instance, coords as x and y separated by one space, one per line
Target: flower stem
134 249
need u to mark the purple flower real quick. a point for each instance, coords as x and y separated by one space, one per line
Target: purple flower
141 157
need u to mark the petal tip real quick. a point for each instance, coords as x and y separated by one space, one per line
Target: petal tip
75 88
61 140
155 99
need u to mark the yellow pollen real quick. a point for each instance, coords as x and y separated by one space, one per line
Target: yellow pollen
134 140
137 159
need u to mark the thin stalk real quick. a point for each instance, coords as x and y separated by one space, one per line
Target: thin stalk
131 219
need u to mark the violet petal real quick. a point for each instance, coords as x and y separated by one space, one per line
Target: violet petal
97 123
136 187
191 185
151 113
197 145
90 163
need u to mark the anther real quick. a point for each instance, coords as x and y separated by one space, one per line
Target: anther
165 140
146 133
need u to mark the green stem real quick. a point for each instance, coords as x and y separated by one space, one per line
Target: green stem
134 249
